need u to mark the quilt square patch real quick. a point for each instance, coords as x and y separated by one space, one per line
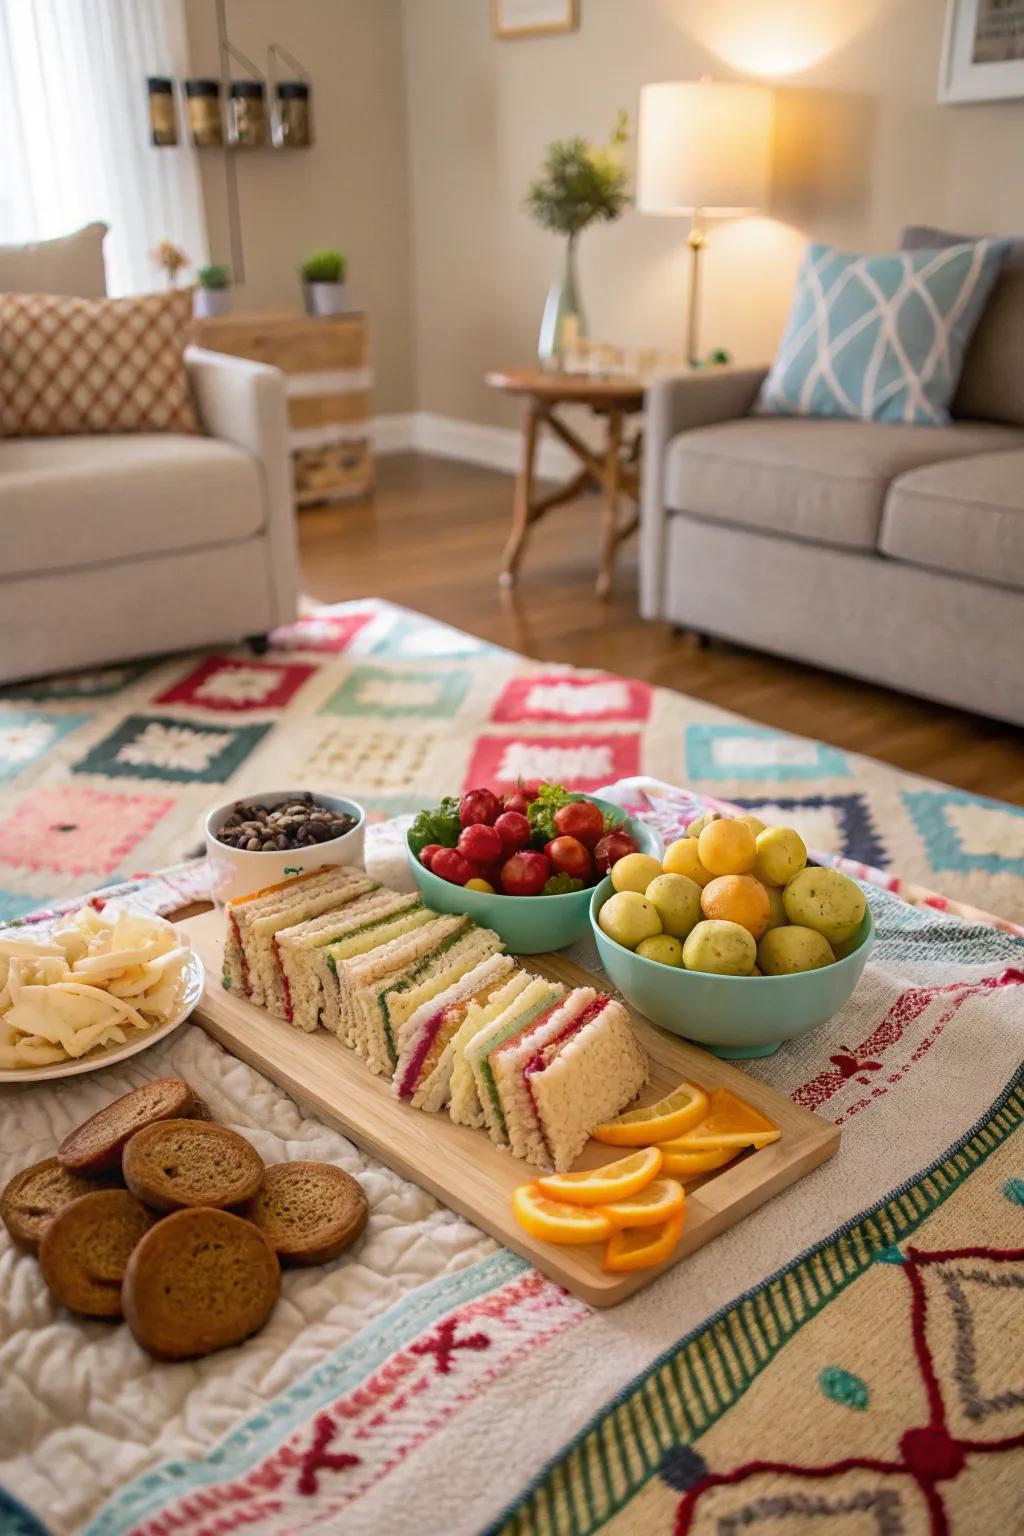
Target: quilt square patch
74 830
332 632
719 752
26 735
415 639
384 693
15 904
223 685
181 751
571 699
578 762
830 823
99 683
965 833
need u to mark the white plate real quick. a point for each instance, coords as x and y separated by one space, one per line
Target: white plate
138 1039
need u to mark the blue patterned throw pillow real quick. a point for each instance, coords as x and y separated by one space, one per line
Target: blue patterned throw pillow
880 338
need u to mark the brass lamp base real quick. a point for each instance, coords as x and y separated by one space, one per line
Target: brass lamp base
696 241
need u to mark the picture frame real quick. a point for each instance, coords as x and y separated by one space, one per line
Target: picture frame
982 51
533 18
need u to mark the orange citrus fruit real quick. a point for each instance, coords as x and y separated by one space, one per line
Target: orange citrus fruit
684 1107
680 1164
600 1186
727 848
738 899
657 1202
642 1247
556 1221
729 1123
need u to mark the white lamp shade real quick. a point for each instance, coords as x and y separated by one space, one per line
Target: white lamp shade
705 146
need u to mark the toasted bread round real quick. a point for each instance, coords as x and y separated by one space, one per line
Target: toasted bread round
201 1280
178 1163
85 1250
309 1212
33 1197
96 1145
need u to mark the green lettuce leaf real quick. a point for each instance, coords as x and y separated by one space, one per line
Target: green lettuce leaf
440 825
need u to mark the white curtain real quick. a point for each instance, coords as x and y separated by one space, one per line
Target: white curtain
74 131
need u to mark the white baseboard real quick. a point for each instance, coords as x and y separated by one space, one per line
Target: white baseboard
449 438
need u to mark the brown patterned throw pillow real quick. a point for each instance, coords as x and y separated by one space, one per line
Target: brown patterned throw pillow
94 365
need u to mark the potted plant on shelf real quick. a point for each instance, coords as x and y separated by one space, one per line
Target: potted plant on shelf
578 185
323 282
211 296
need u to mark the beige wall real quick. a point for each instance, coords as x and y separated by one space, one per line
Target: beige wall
862 147
349 189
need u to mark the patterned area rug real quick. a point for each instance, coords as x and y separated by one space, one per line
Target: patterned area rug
105 774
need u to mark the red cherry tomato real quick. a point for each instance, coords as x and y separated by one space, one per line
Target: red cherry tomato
569 857
524 873
580 819
611 849
448 864
518 803
479 843
514 830
479 805
427 853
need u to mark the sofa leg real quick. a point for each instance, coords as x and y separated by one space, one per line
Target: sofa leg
258 644
702 639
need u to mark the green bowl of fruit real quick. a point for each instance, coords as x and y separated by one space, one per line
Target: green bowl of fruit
732 939
524 864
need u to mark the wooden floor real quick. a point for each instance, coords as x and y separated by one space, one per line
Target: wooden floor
432 540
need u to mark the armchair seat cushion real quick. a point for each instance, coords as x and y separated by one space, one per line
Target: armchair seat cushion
67 502
965 517
820 480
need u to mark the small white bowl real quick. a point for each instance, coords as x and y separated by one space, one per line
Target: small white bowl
237 872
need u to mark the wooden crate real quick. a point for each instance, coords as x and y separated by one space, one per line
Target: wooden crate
329 380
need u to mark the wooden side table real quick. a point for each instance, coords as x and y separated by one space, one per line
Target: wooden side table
615 470
329 380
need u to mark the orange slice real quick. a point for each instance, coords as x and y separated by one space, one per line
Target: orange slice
729 1123
642 1247
684 1107
556 1221
678 1163
600 1186
657 1202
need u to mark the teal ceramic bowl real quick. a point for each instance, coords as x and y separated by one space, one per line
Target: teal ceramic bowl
529 925
733 1016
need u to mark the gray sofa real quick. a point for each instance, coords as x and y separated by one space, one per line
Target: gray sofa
893 553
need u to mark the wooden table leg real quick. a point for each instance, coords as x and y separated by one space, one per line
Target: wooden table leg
522 505
612 485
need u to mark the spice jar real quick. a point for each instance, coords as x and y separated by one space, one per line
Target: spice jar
163 129
247 120
203 109
290 125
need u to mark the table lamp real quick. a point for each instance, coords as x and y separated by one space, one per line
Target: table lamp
704 152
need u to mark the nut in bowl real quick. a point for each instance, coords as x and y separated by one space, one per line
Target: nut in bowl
265 838
736 942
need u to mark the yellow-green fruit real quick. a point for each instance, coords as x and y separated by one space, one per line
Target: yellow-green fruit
783 951
776 907
478 884
843 947
663 948
781 854
635 872
629 919
677 899
725 948
827 901
755 823
696 827
727 848
683 858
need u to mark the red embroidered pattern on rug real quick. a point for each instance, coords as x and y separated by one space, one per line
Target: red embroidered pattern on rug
568 698
221 684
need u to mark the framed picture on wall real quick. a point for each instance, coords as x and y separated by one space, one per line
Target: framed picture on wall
534 18
983 51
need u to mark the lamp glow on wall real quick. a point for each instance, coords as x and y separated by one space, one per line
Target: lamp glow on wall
704 152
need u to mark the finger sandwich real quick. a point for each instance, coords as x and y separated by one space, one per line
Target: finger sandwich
506 1064
533 1003
253 920
464 1102
424 1071
344 964
300 951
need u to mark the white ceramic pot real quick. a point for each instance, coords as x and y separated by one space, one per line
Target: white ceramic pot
237 872
207 302
326 298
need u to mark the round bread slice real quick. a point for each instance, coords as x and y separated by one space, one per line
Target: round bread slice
201 1280
96 1145
309 1212
191 1162
33 1197
85 1250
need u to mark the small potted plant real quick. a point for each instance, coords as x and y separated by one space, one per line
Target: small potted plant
323 282
211 296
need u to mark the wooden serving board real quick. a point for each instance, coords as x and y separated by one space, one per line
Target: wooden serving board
465 1170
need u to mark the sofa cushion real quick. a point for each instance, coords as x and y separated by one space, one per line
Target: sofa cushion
70 264
72 501
966 517
992 379
819 480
